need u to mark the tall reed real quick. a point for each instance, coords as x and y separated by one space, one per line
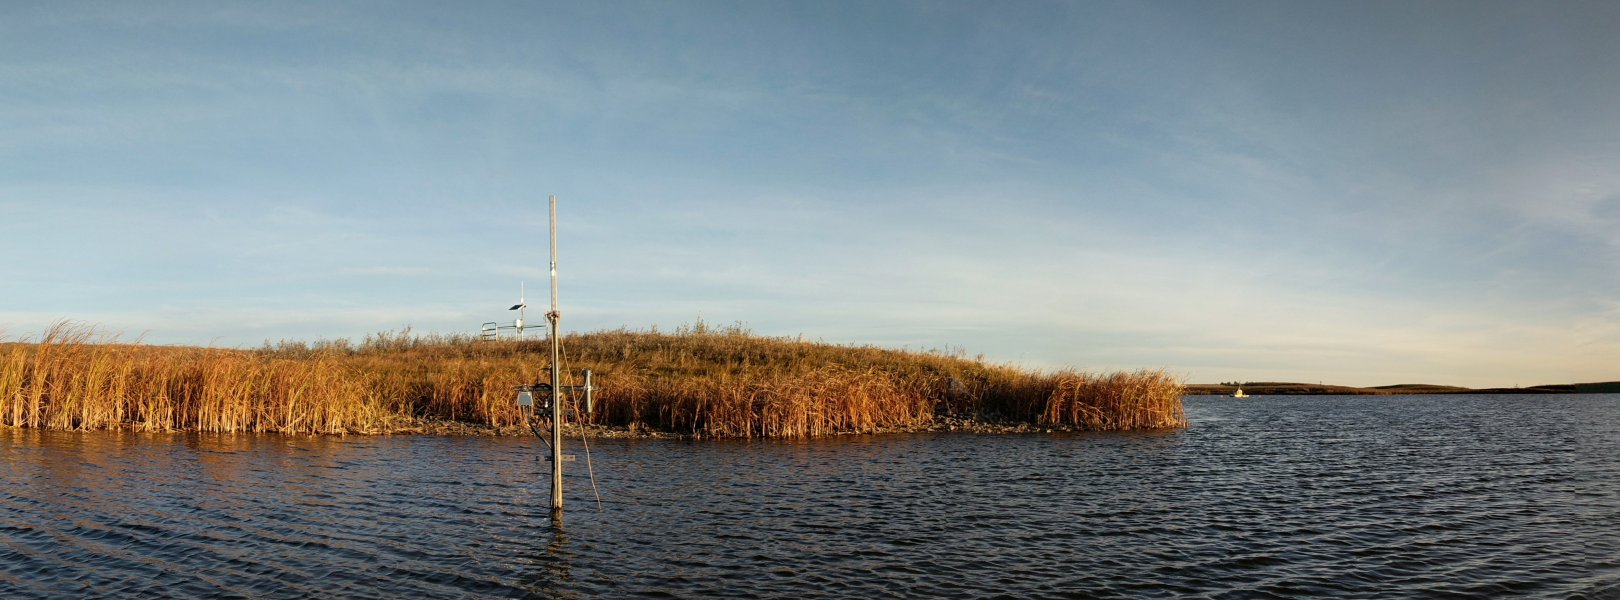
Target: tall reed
698 380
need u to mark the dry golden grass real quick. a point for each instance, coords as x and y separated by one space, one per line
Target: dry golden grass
697 381
71 380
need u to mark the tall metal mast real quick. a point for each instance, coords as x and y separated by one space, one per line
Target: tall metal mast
556 377
554 391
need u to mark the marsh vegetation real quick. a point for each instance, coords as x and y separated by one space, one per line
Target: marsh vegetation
696 381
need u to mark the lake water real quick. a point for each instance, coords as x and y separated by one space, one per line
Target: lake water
1477 496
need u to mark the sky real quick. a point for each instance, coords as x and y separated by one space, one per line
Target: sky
1360 193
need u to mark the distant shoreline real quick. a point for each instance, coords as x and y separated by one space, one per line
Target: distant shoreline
1271 388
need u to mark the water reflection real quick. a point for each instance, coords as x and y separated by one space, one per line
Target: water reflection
557 576
1276 496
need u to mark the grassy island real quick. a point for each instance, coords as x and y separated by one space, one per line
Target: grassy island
697 381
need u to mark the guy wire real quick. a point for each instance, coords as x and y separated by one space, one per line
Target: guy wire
589 467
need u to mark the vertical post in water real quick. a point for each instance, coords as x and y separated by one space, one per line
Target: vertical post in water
556 378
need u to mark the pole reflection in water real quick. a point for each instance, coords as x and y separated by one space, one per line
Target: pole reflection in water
547 570
559 559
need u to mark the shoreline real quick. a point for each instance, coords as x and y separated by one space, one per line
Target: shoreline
573 431
1268 388
435 427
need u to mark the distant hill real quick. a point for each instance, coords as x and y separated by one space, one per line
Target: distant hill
1275 388
1421 388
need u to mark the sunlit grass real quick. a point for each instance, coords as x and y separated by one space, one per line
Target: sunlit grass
697 380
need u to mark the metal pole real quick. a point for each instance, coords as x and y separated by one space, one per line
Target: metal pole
556 378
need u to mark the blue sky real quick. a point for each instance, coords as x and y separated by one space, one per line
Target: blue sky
1352 192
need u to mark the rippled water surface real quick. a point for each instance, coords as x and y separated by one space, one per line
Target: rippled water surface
1484 496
